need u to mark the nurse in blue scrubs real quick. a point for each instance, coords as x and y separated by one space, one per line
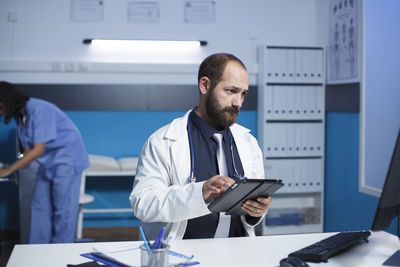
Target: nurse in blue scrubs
49 137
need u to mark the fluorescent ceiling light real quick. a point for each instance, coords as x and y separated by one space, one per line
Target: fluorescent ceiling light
144 43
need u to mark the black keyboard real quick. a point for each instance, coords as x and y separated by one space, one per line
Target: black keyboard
324 249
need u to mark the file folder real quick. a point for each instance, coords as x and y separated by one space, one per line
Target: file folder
100 257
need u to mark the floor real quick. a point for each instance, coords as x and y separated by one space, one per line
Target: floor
10 238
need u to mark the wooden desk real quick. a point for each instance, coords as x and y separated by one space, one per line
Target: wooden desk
258 251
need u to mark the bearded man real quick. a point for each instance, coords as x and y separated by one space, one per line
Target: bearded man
195 158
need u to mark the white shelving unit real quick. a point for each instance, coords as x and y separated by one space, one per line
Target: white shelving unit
90 198
291 130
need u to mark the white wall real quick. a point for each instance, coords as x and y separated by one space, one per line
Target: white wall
44 46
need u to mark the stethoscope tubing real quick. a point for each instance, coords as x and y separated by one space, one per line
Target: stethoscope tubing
192 178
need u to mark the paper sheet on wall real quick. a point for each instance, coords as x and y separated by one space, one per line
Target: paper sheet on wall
87 10
143 12
343 40
199 12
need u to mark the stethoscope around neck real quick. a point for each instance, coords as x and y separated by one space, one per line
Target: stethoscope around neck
192 177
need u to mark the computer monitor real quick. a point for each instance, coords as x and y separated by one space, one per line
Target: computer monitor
389 202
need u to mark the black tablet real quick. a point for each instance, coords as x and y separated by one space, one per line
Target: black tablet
232 199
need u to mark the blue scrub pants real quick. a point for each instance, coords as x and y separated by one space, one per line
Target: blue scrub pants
54 206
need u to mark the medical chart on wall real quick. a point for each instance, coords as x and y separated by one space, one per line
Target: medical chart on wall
140 12
200 12
87 10
343 41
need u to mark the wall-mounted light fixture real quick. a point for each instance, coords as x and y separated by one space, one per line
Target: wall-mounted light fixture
145 43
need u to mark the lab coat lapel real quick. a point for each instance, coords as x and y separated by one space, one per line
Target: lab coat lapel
242 146
180 150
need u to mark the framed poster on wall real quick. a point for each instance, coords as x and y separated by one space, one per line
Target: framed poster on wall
343 52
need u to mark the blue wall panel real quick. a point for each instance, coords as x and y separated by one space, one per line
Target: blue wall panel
120 134
123 133
345 207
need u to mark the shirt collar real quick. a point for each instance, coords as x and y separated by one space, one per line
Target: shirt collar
205 128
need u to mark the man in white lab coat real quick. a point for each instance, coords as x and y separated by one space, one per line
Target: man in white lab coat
178 173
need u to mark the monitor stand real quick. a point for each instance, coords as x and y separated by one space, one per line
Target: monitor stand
394 260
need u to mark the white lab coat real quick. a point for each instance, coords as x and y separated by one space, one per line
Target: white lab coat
162 195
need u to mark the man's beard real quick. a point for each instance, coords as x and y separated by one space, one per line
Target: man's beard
224 117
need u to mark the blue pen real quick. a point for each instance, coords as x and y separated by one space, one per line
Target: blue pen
145 240
158 242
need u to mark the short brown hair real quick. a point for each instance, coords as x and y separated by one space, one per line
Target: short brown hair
214 65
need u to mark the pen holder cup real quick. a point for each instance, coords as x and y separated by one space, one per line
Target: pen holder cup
157 257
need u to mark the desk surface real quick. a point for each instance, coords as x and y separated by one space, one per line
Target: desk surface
257 251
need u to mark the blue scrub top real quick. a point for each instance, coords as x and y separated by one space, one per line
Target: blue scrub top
46 123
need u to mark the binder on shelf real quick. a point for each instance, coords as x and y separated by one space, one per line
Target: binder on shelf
290 102
320 137
311 174
305 65
320 102
305 142
267 140
278 101
297 177
291 65
315 176
267 57
291 141
313 138
291 172
314 66
298 66
319 61
310 61
273 65
269 102
296 139
297 100
281 101
306 100
287 136
311 100
281 137
303 174
302 67
306 175
302 142
314 105
319 174
286 167
277 139
280 56
300 109
311 106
